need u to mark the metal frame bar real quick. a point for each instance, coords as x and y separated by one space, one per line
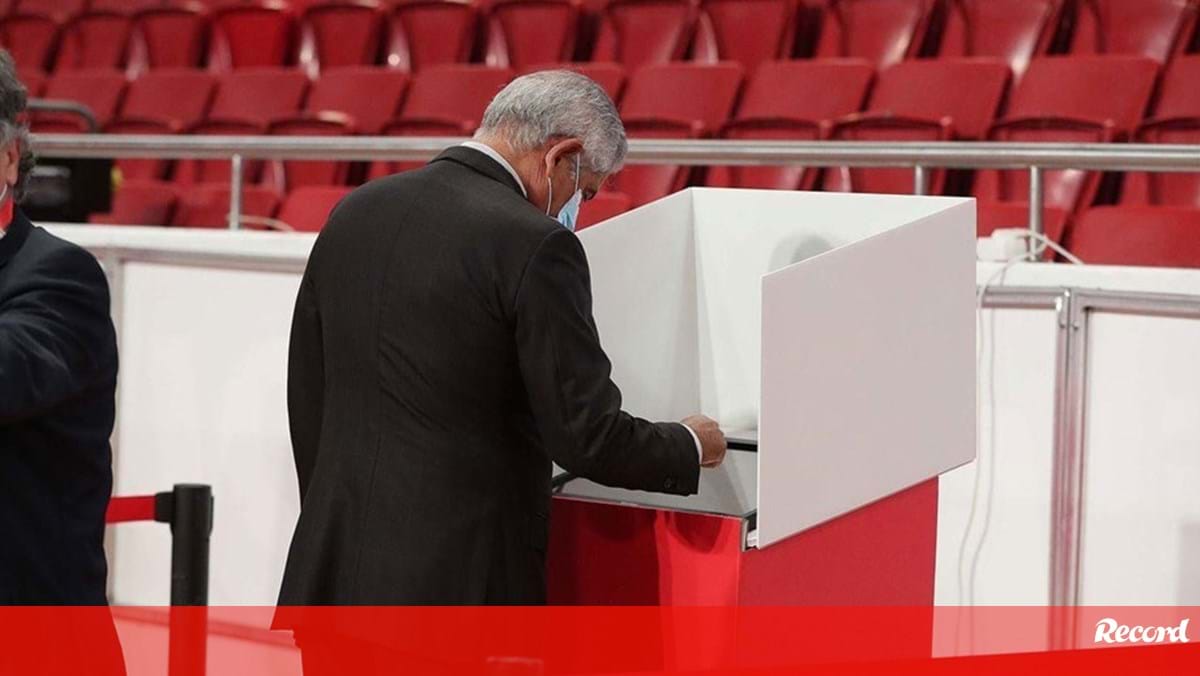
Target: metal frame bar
947 155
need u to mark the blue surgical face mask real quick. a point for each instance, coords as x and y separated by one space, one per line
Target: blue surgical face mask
569 213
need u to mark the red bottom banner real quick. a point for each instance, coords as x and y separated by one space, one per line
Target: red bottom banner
537 641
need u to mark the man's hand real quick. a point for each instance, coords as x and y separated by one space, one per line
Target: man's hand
712 439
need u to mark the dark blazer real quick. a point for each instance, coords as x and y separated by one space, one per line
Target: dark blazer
443 353
58 379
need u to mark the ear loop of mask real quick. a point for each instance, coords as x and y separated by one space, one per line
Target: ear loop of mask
550 185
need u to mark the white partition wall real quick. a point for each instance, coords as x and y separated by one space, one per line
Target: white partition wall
790 297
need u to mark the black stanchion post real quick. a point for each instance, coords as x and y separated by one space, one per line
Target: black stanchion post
189 510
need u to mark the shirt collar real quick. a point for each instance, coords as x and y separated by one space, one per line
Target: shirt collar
491 152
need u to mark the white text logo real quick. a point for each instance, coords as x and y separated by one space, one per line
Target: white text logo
1109 630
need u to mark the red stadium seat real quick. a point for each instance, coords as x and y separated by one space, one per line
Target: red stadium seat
340 33
370 96
169 37
31 39
1139 235
188 172
922 100
610 76
883 32
605 205
307 209
1014 31
161 102
637 33
259 94
207 205
94 40
794 101
746 31
1069 99
1151 28
291 174
127 6
140 202
678 100
431 32
525 32
250 35
446 100
99 90
1176 120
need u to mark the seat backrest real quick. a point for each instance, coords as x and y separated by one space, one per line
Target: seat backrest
610 76
457 93
746 31
881 31
127 6
290 174
369 95
30 39
99 90
1152 28
177 97
259 94
637 33
94 40
307 209
427 33
139 202
603 206
252 35
1015 31
170 37
525 32
1124 235
1177 121
341 33
968 91
791 100
1115 88
703 93
207 205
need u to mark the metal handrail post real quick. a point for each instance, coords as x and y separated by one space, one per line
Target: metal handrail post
235 192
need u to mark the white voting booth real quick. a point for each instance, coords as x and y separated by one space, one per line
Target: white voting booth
835 329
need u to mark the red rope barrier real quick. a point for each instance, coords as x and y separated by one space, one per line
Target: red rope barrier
133 508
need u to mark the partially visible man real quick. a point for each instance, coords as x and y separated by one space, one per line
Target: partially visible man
58 377
444 353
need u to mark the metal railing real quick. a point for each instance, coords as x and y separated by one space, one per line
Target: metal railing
1036 158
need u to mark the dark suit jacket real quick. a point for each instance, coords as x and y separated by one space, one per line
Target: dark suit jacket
58 378
443 352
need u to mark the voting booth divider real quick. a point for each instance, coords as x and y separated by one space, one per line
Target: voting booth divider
833 338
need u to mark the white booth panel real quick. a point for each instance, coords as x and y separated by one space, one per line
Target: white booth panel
203 400
1141 534
644 300
868 374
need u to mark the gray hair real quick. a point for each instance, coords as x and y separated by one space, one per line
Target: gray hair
542 106
13 97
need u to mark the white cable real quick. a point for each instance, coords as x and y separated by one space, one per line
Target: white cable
987 458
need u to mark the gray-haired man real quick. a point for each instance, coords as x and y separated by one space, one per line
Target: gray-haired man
444 353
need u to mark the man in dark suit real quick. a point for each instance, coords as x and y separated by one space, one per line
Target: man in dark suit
443 353
58 377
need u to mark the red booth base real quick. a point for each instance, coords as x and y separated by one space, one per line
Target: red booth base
605 554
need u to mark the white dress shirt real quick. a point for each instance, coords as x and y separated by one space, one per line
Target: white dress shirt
491 152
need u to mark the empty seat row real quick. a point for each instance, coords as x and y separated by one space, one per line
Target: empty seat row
414 34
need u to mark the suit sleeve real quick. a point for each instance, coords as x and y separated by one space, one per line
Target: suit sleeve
306 383
56 335
576 405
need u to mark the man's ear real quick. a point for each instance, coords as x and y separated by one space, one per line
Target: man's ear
12 156
565 148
